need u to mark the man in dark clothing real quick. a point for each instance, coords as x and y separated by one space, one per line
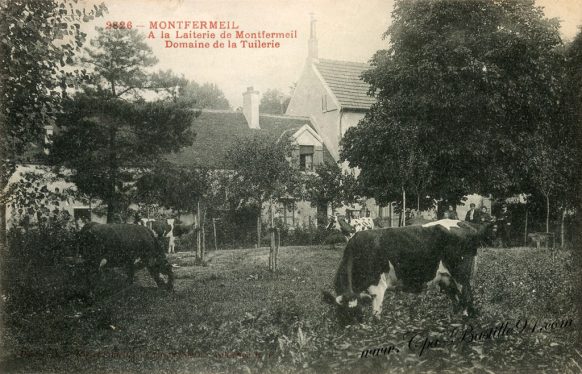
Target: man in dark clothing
472 215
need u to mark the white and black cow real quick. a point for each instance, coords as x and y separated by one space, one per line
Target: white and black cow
131 247
348 229
408 257
165 228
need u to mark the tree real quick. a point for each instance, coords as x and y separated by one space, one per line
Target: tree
183 189
458 96
274 102
552 156
330 186
263 173
110 127
34 54
206 96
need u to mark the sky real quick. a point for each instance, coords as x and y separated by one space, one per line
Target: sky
349 30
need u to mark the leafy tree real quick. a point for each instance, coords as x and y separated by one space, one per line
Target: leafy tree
330 186
34 54
184 189
263 173
552 155
206 96
274 102
458 97
110 127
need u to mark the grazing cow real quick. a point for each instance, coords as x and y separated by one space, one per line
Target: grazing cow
348 229
377 260
122 245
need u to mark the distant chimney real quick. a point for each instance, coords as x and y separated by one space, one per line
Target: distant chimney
251 107
312 53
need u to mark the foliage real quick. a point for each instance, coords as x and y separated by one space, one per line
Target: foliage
274 101
175 187
262 170
119 59
331 185
35 55
37 195
207 95
102 132
98 139
463 95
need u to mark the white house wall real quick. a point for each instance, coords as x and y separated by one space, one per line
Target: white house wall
307 101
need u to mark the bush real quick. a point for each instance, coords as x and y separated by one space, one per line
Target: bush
35 270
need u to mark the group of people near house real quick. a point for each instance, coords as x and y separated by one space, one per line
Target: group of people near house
474 215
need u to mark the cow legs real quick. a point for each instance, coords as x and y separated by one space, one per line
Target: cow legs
171 245
459 289
130 270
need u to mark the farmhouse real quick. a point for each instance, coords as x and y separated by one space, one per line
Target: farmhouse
215 131
331 94
334 97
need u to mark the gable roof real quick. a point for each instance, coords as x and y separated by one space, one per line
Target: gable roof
343 78
217 130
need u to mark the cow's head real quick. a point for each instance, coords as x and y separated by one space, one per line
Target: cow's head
161 271
349 306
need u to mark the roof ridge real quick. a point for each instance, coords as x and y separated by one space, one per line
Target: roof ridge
343 61
283 116
208 110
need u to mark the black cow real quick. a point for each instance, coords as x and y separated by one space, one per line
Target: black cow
121 245
409 257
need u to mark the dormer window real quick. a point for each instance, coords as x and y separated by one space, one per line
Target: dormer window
306 157
323 103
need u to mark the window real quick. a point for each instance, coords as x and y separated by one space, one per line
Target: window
306 157
289 213
48 138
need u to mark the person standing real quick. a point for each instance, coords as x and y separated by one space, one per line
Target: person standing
451 213
472 215
484 216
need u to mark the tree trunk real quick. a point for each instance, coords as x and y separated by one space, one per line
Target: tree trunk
563 228
203 221
404 207
111 199
3 244
272 257
525 231
259 225
547 213
214 231
198 228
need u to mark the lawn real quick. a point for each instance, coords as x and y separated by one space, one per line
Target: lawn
235 316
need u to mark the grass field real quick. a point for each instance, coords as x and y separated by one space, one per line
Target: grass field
235 316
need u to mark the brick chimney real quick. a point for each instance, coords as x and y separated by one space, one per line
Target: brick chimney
251 107
312 53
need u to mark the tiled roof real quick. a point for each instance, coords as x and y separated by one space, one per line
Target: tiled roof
343 78
217 130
